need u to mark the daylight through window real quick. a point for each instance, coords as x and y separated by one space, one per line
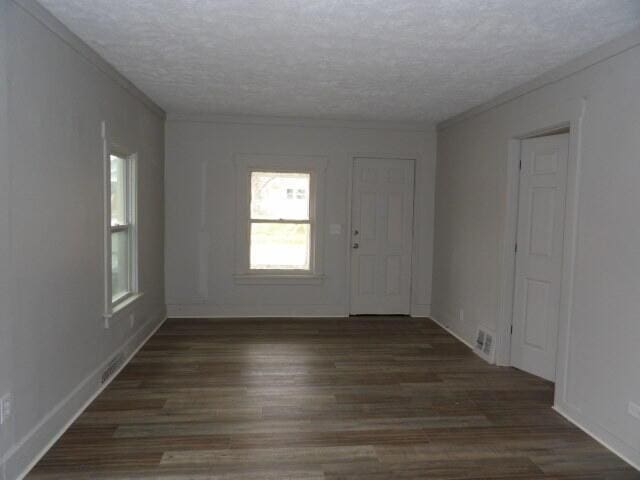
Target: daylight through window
122 241
281 223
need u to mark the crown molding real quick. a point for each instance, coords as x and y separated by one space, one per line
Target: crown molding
42 15
297 122
593 57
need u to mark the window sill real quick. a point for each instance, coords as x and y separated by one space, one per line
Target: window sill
278 279
121 307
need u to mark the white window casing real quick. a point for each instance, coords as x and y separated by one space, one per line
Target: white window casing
128 225
315 167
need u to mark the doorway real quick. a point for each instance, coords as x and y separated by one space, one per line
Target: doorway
381 236
539 253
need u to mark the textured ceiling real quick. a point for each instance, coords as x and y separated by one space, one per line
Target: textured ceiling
402 60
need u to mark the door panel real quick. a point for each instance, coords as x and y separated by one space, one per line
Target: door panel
395 232
543 179
543 202
368 216
394 275
536 321
382 228
366 274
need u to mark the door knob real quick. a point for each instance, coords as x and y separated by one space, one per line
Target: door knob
356 245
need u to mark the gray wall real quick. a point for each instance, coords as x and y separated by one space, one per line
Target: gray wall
201 280
604 328
53 342
5 327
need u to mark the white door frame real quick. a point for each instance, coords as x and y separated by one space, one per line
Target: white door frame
349 229
569 114
548 269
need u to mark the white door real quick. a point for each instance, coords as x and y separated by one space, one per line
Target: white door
543 179
382 226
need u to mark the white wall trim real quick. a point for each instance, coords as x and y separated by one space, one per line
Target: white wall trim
278 279
544 118
42 15
417 159
599 54
421 311
454 334
297 122
17 462
506 271
601 435
255 311
269 311
316 166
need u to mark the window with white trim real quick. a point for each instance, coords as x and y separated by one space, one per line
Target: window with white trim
281 221
120 216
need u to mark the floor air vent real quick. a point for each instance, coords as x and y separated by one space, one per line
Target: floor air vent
485 346
112 368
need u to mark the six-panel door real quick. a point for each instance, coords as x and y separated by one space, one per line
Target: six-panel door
538 275
382 225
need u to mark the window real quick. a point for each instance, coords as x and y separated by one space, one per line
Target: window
281 226
279 221
121 260
121 229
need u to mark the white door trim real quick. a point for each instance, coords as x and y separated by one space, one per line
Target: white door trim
539 264
569 114
349 229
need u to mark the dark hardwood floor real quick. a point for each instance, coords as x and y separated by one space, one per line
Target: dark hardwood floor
287 399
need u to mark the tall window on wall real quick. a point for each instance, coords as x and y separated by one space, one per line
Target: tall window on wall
281 223
121 242
122 189
280 219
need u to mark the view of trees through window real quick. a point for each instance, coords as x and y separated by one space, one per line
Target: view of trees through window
280 233
120 229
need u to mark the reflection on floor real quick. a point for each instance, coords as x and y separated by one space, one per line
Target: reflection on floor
286 399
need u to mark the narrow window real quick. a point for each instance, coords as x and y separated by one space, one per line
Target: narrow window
281 221
121 218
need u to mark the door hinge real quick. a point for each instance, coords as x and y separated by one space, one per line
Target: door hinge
516 249
520 165
511 330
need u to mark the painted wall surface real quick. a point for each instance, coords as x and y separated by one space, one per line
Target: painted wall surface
53 342
200 225
5 341
604 325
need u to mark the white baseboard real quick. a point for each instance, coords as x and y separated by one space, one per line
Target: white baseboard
250 311
17 464
601 435
19 460
421 310
468 344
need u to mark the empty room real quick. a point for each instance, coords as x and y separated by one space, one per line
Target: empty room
320 239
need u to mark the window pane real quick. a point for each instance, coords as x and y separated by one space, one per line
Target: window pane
119 264
278 246
118 191
279 195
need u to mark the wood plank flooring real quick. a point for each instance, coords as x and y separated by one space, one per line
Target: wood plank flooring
290 399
